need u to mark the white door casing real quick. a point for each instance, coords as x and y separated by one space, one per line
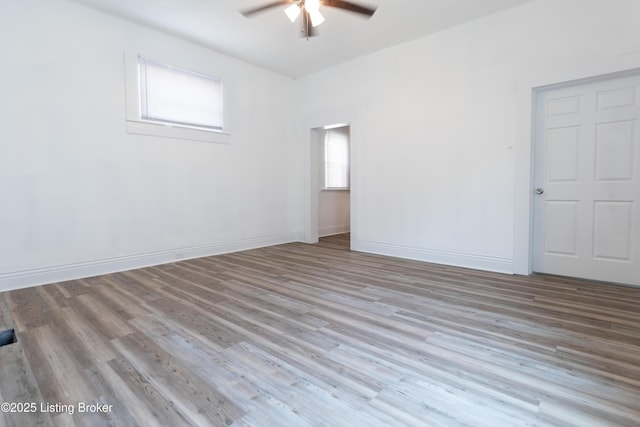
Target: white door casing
587 162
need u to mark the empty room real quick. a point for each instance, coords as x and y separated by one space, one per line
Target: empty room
320 213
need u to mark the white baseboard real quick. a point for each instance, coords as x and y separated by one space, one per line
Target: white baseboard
60 273
333 229
478 262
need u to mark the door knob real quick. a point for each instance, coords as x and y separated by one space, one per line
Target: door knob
539 190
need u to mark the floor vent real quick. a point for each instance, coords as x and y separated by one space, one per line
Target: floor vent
7 337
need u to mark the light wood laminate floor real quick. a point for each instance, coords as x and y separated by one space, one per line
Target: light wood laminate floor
316 335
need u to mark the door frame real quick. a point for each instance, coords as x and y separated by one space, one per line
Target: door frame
527 92
315 123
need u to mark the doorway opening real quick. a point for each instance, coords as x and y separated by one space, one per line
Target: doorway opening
330 181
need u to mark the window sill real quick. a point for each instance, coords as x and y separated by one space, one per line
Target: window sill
335 189
176 132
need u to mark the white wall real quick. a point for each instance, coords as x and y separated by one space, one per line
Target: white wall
333 212
438 138
81 196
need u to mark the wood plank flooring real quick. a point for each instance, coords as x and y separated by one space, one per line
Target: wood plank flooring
316 335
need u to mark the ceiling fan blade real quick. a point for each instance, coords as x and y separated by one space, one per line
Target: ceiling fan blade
251 12
351 7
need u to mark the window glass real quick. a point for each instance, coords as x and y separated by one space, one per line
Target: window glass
336 156
172 95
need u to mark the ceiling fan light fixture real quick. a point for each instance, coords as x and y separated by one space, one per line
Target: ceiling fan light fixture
292 12
316 18
310 10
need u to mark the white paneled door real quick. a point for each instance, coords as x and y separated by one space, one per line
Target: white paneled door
587 184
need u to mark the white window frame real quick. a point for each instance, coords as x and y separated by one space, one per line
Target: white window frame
138 125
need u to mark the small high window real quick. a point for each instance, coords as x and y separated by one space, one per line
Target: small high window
173 96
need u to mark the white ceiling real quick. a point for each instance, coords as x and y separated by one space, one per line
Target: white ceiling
271 41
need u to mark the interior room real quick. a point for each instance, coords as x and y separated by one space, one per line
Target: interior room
290 213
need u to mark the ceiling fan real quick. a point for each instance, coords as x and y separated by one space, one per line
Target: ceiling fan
310 11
